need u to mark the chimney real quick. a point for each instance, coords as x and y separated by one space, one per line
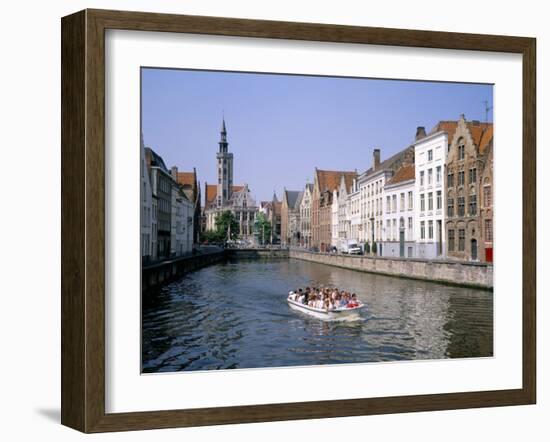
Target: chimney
420 133
375 159
174 173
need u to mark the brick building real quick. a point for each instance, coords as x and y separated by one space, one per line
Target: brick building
469 189
325 182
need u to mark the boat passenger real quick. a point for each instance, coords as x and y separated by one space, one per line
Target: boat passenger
354 302
319 303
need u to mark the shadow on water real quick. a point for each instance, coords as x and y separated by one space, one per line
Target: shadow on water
234 315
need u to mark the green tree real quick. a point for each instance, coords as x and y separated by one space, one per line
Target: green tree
367 248
212 236
263 227
227 224
374 248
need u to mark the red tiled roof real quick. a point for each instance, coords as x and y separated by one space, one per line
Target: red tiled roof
404 173
330 179
186 178
446 126
211 192
482 133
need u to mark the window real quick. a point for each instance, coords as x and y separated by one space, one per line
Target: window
410 227
461 149
473 204
422 203
461 178
430 201
451 240
487 200
450 207
410 200
460 201
430 176
394 232
402 202
472 173
488 230
450 180
461 239
394 203
430 155
430 229
421 178
422 230
388 230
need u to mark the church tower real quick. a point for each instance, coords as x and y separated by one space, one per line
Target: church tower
225 168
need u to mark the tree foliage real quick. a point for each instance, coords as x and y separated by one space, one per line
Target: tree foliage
263 227
223 221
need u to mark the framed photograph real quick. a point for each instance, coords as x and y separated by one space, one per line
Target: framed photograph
268 221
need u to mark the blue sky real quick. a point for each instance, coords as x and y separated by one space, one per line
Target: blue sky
280 127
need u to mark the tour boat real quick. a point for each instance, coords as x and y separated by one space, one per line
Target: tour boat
320 313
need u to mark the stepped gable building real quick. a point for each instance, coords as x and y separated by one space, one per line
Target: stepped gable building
290 217
276 209
226 196
325 182
191 187
344 211
469 189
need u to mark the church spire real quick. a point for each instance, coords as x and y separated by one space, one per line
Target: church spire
223 137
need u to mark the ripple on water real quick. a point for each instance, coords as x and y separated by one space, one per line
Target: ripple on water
234 315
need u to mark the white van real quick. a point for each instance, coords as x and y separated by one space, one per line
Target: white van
350 247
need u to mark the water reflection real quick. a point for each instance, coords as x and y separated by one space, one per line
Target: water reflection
234 315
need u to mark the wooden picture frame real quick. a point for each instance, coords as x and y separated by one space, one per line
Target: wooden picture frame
83 220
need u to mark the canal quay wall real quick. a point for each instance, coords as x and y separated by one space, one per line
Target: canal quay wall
165 271
468 274
256 253
162 272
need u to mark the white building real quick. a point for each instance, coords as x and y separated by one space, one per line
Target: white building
399 239
305 216
354 212
371 185
430 156
146 207
181 225
335 223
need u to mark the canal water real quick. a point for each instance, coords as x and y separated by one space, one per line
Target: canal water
235 315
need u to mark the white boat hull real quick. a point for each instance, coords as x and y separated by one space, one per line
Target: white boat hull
344 314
